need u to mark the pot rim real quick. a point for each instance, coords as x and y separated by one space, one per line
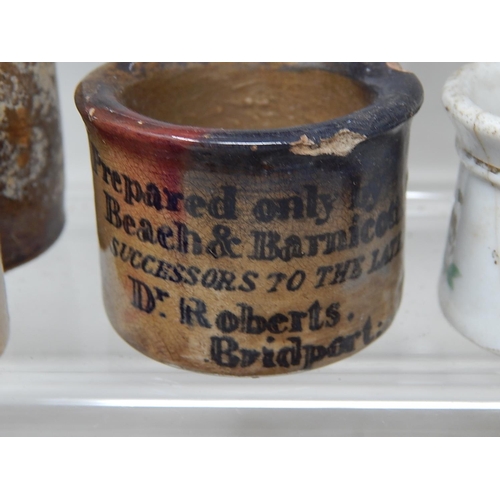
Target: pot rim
462 107
396 96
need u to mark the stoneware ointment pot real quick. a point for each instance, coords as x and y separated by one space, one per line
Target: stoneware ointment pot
469 287
250 216
31 161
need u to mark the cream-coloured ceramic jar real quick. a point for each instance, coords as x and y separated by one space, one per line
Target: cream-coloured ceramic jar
469 287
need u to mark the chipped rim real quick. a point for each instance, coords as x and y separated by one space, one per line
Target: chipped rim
396 96
459 103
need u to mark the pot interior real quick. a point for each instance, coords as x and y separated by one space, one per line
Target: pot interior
245 96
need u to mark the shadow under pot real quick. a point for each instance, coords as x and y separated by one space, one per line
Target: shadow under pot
31 161
250 216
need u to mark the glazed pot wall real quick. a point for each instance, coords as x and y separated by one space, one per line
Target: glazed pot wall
468 287
249 259
31 161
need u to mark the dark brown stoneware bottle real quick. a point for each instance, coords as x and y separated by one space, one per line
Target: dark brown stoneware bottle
31 161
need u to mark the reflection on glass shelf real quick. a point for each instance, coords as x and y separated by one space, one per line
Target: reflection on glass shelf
63 353
278 404
427 195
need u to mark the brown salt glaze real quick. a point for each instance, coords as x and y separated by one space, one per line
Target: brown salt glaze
31 161
250 216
